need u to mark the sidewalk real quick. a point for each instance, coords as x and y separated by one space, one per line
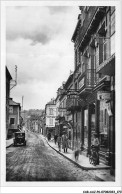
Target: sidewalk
101 172
9 142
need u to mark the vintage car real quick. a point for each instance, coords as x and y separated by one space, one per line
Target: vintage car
19 139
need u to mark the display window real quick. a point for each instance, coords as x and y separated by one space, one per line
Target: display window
86 128
104 126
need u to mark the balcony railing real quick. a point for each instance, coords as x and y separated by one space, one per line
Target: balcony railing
88 79
72 104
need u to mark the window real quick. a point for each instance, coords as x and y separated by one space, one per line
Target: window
97 56
75 59
105 50
12 121
105 117
113 33
51 111
113 23
112 44
10 109
51 121
112 9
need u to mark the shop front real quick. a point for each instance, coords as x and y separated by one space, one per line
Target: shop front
105 116
88 126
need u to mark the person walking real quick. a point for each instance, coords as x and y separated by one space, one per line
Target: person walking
59 143
49 136
64 142
55 138
96 145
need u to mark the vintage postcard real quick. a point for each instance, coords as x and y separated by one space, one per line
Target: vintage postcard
61 96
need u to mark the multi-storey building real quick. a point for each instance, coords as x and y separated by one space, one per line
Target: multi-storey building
94 78
50 115
14 117
8 79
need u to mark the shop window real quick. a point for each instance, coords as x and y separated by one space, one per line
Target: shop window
104 127
86 127
103 142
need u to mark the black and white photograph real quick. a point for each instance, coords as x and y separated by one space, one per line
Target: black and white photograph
60 92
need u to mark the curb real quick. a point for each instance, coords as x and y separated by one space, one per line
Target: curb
80 166
9 145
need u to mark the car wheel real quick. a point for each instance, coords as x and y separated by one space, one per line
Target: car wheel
25 143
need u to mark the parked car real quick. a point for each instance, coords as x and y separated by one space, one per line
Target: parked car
19 139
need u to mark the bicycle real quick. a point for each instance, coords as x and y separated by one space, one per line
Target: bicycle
94 155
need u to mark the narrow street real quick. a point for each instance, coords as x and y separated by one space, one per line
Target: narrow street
38 162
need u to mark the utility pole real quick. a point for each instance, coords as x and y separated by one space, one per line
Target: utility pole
14 82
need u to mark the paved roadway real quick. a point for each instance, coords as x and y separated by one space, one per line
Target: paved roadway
38 162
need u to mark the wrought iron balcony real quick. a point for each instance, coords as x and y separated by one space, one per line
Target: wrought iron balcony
87 81
72 104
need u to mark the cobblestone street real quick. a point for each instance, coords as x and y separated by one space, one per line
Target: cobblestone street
38 162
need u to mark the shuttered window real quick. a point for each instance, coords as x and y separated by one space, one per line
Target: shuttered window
97 56
113 44
113 23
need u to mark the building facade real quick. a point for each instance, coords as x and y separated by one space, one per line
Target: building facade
8 79
50 115
14 117
94 78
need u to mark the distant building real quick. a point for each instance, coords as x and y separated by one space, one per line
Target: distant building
14 117
50 115
8 79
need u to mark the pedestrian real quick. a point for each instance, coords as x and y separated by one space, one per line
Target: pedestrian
64 142
55 138
59 143
96 144
49 136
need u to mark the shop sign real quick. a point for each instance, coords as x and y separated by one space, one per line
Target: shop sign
50 116
81 83
101 95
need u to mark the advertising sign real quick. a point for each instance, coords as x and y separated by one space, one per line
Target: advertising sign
102 95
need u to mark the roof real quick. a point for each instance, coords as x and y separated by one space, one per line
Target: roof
12 103
69 81
52 102
8 75
75 31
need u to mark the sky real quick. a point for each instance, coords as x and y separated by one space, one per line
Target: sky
38 41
